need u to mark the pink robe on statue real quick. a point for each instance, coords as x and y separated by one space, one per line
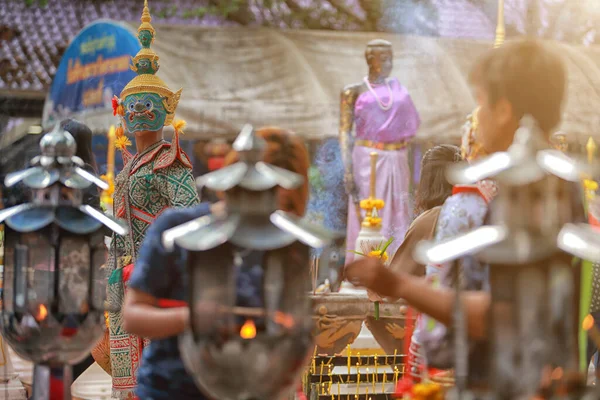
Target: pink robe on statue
398 124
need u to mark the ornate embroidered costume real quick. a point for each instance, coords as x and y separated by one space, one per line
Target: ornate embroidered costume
157 178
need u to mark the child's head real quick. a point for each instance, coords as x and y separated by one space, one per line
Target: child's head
284 150
433 187
519 78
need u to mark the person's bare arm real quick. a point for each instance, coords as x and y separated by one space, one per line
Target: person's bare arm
439 303
420 294
142 317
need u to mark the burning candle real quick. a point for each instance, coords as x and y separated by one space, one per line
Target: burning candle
396 372
395 353
314 367
357 378
348 354
374 381
321 373
367 394
383 383
42 313
375 374
248 330
593 332
339 390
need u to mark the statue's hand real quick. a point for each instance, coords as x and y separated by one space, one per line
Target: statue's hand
350 186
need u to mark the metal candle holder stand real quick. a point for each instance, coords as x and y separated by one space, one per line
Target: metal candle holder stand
528 248
53 297
264 346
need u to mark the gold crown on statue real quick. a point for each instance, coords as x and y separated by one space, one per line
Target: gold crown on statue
146 19
146 65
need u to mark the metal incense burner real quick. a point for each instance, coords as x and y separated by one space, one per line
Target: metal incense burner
248 351
54 287
528 243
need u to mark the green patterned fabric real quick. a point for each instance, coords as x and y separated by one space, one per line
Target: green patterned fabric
143 190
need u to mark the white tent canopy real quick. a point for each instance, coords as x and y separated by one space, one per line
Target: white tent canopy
293 79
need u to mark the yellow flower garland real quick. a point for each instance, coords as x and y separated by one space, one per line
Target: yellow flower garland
427 391
369 204
373 221
382 255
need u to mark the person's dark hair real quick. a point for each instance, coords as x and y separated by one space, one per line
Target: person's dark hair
83 138
529 75
284 150
433 187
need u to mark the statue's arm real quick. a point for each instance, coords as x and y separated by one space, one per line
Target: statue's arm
347 101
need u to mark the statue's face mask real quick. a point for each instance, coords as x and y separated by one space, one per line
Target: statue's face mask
144 112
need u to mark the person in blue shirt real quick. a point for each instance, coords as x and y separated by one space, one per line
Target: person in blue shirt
159 274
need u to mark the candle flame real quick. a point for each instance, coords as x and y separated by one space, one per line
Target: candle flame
588 322
248 330
286 320
42 313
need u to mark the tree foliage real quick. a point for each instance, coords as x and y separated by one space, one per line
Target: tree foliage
574 21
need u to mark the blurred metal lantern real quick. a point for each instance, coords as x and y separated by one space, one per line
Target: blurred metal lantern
528 245
248 351
54 286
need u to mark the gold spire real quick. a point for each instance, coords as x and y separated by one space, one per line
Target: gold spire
146 65
146 19
500 29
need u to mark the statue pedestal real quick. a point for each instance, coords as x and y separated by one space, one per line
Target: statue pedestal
13 390
365 339
93 384
340 321
19 371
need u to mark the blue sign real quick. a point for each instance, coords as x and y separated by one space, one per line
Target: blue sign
94 68
100 150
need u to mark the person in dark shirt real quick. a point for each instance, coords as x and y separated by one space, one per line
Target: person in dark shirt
160 274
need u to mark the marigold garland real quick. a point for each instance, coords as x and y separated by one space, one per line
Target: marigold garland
117 107
381 254
406 390
179 125
373 221
369 204
122 142
427 391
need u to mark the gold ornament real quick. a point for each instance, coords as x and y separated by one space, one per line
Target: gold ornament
146 81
